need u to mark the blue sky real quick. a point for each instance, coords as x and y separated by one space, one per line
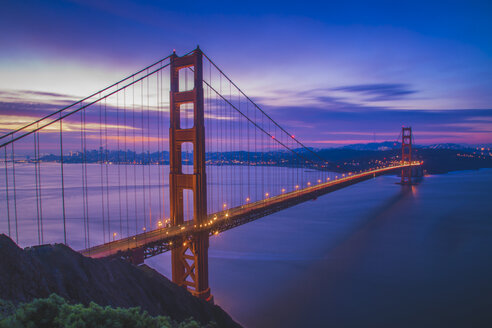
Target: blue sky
334 73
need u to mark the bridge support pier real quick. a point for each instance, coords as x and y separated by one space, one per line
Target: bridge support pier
406 155
190 259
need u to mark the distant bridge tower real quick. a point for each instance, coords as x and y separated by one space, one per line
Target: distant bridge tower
406 154
190 259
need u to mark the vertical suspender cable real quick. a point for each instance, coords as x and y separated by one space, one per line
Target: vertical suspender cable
63 184
7 189
144 189
108 216
37 186
134 158
40 194
148 152
101 161
126 165
15 194
119 159
86 183
82 153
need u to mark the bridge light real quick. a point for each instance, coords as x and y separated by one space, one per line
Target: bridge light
267 194
114 235
273 137
215 218
227 214
309 183
319 181
283 190
297 186
159 223
184 244
247 199
216 233
224 205
182 228
170 243
144 228
327 179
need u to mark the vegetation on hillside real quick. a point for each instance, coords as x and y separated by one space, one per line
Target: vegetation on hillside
54 312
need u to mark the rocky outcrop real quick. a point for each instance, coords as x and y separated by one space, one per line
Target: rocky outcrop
37 272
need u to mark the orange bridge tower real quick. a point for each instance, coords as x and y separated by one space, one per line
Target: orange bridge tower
406 154
190 259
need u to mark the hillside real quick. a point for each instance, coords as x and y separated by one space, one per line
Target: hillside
37 272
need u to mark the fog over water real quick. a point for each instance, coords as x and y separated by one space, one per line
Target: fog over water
372 254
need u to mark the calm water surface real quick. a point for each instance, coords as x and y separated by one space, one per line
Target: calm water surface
374 254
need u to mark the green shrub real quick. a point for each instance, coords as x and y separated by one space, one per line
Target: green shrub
54 312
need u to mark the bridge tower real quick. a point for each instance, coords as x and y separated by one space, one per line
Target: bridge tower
406 154
190 259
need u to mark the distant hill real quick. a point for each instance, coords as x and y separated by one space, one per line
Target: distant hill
452 146
386 145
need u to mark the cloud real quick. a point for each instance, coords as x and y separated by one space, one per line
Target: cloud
380 91
46 94
321 98
23 94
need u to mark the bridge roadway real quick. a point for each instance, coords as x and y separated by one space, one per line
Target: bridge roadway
160 240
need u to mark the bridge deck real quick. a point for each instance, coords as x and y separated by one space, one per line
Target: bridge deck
163 239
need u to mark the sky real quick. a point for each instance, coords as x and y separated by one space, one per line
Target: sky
334 73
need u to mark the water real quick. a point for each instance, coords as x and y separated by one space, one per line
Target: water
373 254
123 200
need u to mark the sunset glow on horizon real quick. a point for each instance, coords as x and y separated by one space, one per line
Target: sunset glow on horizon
335 74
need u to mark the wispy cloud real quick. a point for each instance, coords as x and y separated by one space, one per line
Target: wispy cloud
32 95
380 91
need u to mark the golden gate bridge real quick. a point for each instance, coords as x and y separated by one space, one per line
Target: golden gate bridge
160 161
